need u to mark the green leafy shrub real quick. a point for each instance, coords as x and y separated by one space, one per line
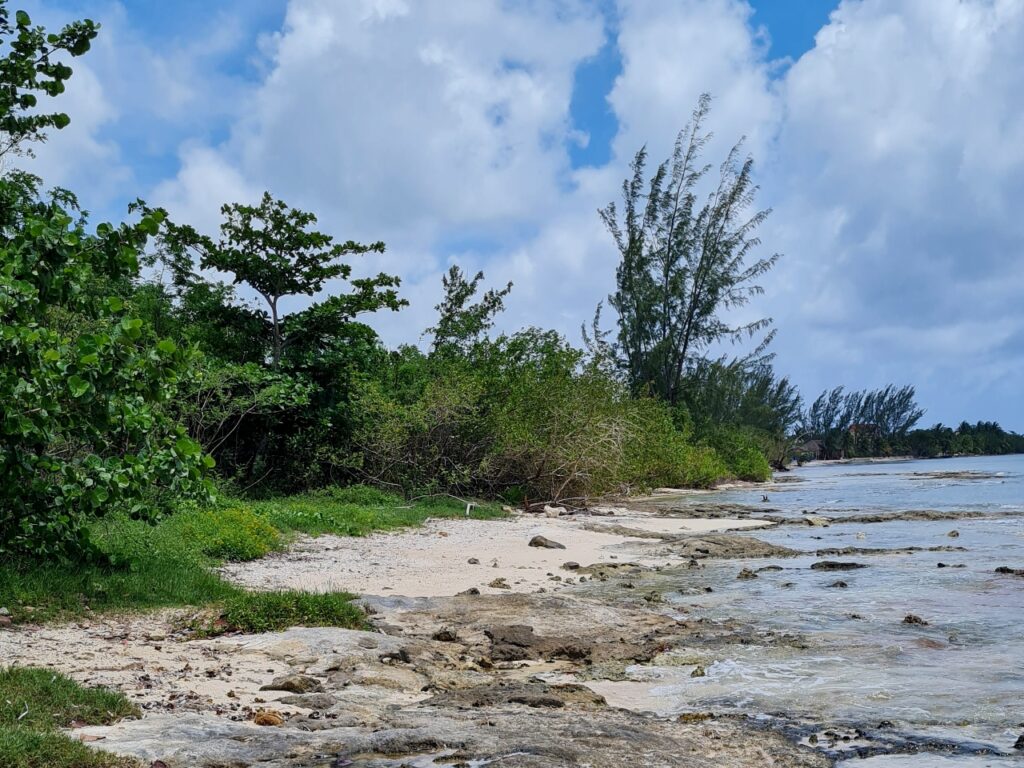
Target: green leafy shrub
82 381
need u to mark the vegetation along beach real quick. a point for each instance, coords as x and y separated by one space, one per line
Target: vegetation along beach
276 493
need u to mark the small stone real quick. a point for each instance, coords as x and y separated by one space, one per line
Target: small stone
499 583
699 671
545 543
746 574
445 635
571 565
473 561
553 511
839 584
954 534
268 717
912 619
6 621
294 684
470 591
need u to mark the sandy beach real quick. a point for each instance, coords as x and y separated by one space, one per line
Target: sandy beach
434 560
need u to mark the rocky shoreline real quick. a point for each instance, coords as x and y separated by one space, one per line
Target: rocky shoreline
459 669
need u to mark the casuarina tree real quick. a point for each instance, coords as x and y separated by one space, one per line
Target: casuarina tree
683 265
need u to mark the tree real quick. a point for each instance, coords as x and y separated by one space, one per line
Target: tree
29 68
271 247
462 324
682 264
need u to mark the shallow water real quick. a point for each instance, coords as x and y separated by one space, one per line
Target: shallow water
953 687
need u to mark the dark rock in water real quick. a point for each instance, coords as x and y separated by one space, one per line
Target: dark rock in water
746 574
699 671
530 694
1010 571
910 618
294 684
839 584
1019 743
954 534
887 724
836 565
947 565
545 543
768 568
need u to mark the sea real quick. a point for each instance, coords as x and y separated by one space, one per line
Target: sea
913 658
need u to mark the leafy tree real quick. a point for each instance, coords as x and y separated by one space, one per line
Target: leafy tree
683 264
462 324
82 381
271 247
29 67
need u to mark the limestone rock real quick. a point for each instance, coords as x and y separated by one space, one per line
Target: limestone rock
294 684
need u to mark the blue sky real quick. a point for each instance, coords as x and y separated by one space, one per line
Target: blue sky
888 136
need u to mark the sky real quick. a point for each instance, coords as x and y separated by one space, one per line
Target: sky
888 138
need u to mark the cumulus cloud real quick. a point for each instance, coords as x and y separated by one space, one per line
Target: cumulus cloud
899 166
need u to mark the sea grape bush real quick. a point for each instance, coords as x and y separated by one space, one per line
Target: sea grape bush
82 381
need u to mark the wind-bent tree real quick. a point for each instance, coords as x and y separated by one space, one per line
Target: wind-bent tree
28 69
272 248
862 423
683 264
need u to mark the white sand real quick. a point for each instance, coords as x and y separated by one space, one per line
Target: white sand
433 560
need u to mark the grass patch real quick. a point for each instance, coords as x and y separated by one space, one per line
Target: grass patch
224 533
171 564
35 703
254 612
359 511
43 700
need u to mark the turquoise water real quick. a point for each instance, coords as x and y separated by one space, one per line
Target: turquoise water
951 691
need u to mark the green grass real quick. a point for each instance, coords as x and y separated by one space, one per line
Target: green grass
254 612
359 511
171 564
36 703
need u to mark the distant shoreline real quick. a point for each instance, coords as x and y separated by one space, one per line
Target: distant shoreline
892 459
